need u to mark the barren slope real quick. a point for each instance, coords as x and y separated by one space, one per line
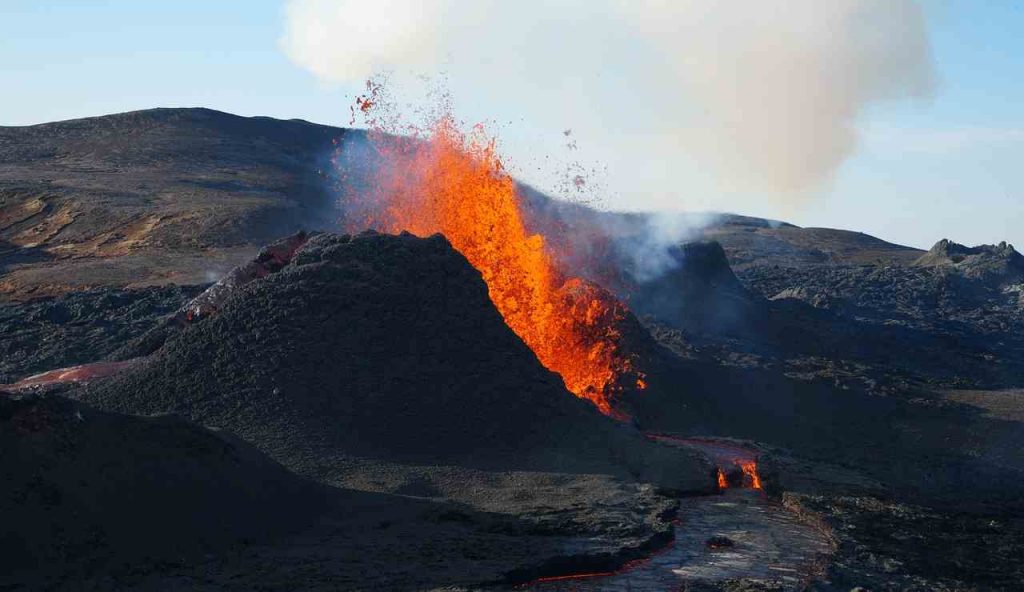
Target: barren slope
151 197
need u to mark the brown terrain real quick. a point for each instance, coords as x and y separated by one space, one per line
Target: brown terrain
404 438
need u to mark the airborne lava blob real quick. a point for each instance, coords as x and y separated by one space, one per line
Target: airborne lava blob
451 182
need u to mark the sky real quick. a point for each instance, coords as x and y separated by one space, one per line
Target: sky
929 149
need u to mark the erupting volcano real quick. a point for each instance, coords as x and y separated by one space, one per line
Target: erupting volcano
454 183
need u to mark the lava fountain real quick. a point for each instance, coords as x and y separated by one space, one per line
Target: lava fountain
449 181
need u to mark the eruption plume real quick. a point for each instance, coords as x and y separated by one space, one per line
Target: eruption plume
766 94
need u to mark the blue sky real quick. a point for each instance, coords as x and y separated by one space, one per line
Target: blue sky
949 166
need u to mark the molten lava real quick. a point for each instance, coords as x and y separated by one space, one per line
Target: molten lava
455 184
749 468
750 478
734 463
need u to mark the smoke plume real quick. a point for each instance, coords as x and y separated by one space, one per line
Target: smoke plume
765 94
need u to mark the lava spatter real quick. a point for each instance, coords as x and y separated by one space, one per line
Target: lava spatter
448 181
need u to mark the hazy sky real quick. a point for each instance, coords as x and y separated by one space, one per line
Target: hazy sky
913 130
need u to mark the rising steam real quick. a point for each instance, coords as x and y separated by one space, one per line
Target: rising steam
765 93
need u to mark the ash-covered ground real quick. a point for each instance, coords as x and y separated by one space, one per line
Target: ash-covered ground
402 436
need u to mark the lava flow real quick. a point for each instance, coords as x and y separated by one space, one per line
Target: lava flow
743 474
736 466
454 183
749 468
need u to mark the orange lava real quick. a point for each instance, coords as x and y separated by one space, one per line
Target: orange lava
723 454
750 476
455 183
749 468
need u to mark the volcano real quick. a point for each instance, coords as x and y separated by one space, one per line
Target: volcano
383 347
875 386
455 183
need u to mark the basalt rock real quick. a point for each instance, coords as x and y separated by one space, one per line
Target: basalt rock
271 259
79 328
1000 261
383 347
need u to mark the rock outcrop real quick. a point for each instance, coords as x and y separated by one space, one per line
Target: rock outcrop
698 293
985 262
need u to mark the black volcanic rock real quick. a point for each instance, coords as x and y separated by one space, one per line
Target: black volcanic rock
79 327
992 262
383 347
85 490
271 259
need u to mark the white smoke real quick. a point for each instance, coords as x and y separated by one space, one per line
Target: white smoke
351 40
781 83
766 93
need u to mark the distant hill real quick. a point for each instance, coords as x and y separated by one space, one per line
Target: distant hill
753 241
182 195
151 197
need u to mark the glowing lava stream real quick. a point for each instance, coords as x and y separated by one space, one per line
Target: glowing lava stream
749 468
768 532
725 455
456 184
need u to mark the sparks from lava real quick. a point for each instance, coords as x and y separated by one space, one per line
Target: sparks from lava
437 178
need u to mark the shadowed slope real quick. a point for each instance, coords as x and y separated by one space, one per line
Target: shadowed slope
86 490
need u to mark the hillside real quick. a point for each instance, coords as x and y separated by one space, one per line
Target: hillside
876 387
183 195
152 197
753 241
